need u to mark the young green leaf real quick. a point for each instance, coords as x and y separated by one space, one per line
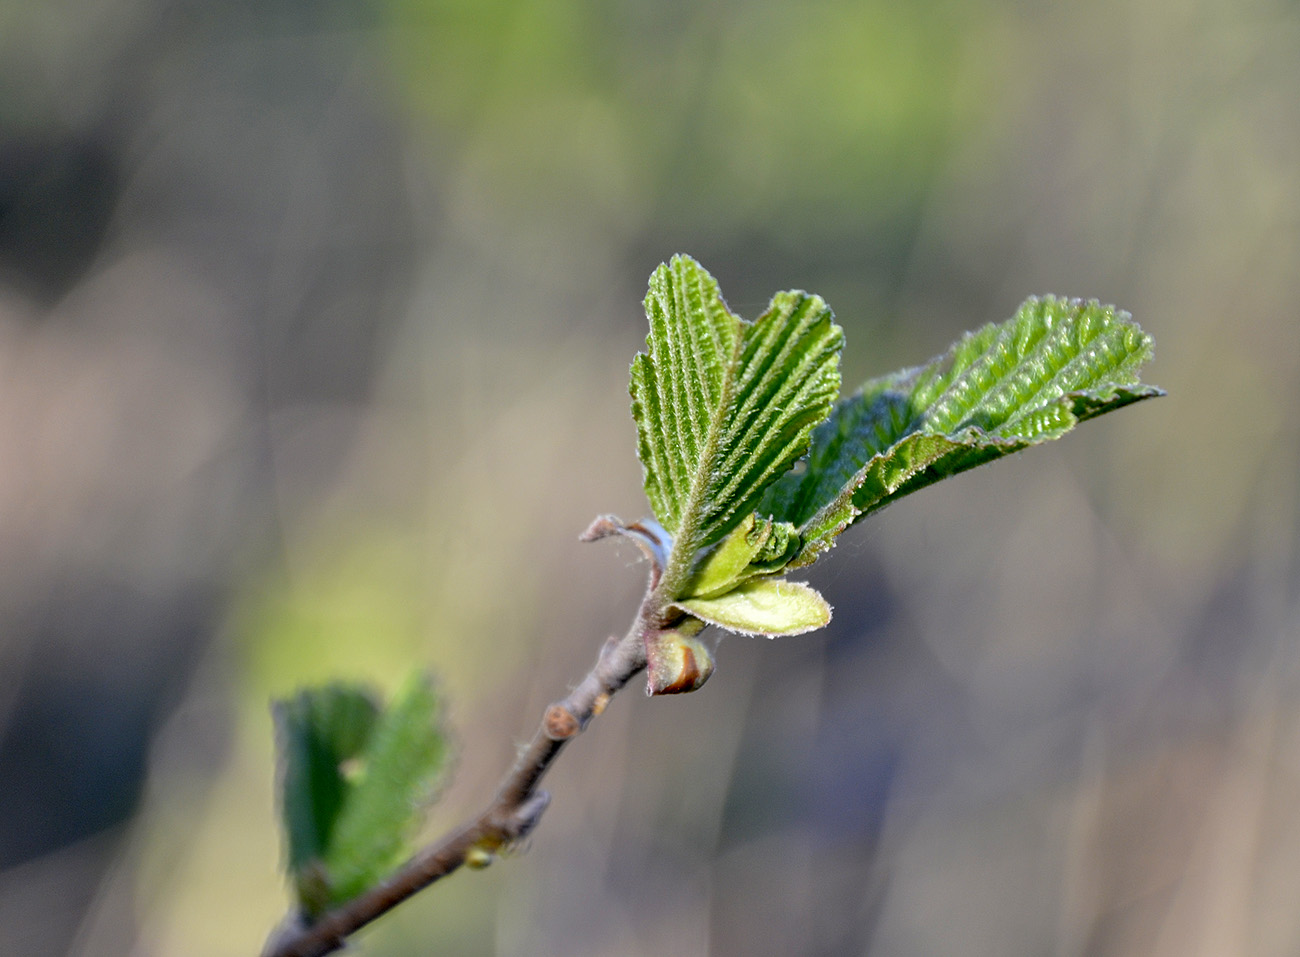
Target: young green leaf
317 732
763 606
723 407
403 761
353 782
996 391
757 546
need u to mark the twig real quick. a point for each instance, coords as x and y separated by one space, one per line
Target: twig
512 814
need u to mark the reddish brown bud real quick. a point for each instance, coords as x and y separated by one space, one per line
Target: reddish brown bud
676 663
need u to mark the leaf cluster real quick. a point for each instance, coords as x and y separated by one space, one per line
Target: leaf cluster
753 468
753 465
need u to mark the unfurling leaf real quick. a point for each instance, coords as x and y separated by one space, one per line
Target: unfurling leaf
751 548
724 407
354 782
763 606
996 391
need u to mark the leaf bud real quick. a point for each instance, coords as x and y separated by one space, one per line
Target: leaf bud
677 661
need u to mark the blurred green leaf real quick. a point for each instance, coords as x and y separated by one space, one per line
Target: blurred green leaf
403 762
318 730
996 391
355 781
723 407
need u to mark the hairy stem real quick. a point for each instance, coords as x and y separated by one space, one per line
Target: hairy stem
512 814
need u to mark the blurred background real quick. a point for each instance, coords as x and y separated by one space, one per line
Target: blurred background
315 322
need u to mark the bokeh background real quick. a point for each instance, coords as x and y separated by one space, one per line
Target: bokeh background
315 320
